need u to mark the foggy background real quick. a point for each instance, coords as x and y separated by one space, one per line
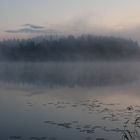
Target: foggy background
26 19
41 19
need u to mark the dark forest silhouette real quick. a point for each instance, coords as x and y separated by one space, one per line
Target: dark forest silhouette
84 48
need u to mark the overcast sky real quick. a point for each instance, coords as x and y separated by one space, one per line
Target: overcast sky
114 14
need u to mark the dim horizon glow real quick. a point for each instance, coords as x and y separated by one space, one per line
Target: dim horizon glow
86 15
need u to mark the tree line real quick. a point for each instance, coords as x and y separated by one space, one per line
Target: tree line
70 48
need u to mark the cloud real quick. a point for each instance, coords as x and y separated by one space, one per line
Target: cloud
31 29
25 30
34 26
80 26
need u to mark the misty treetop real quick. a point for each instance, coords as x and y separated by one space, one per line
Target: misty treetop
82 48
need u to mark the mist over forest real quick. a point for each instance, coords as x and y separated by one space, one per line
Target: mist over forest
85 60
69 48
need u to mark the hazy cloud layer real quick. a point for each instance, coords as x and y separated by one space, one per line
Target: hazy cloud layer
31 29
24 30
27 28
79 26
34 26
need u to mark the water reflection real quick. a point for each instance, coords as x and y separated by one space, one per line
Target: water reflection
39 113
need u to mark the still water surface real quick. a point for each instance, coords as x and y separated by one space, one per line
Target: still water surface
40 113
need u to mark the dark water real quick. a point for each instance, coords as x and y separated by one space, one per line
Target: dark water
38 112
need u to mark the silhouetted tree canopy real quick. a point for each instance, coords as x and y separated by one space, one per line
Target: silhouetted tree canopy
84 48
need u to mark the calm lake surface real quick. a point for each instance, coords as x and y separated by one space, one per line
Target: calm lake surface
36 112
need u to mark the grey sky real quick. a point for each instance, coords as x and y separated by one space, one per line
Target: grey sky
114 14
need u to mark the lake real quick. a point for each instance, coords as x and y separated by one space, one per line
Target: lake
105 107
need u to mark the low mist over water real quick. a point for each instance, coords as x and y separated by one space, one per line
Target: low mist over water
69 100
59 112
70 74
